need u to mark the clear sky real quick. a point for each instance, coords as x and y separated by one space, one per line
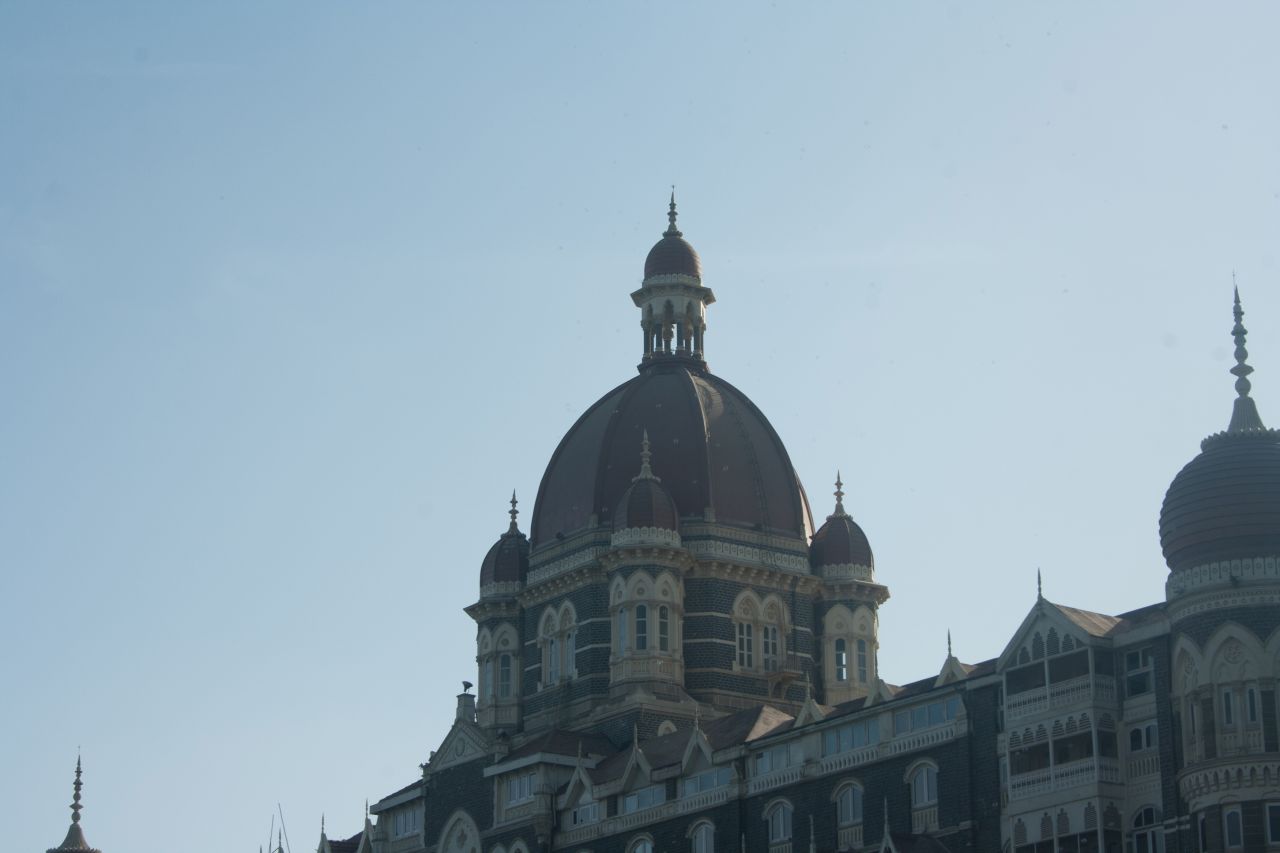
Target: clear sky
292 295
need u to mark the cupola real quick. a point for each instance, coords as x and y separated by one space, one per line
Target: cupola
841 542
672 300
1225 504
508 559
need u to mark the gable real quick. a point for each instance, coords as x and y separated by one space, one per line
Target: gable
464 743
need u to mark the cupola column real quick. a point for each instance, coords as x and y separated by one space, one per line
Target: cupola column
671 299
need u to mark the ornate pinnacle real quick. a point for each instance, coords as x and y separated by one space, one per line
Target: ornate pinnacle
646 473
75 800
513 512
672 230
1244 414
949 644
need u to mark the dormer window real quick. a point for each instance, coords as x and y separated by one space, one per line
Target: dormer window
778 757
520 788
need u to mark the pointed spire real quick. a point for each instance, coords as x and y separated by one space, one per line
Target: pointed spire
1244 414
949 644
839 493
322 824
1039 585
646 473
75 835
513 512
75 799
672 230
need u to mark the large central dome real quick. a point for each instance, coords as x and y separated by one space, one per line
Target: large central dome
712 449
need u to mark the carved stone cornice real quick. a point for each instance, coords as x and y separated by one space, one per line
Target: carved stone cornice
567 563
658 536
720 551
1250 572
1246 777
559 584
756 575
651 555
492 608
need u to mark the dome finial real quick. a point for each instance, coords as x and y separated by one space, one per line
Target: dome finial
513 512
75 799
672 230
646 473
1244 414
839 493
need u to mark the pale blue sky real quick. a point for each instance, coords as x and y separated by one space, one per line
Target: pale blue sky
293 294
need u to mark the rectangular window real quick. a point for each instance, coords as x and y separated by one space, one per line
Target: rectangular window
746 646
862 661
622 631
664 629
645 798
842 660
1251 705
1067 667
769 646
553 661
504 676
1204 834
1137 668
642 627
584 814
926 716
850 736
1232 829
1228 712
708 780
520 788
1273 823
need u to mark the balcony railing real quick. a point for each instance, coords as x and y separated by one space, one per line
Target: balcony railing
850 837
1086 771
1143 764
1075 691
924 820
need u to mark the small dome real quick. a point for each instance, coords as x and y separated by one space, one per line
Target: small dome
1225 504
646 503
672 255
508 559
840 541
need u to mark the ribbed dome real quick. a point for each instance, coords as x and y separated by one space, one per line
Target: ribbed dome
840 541
508 559
1225 504
713 449
672 255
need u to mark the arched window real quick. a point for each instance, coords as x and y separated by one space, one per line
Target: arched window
924 786
842 660
849 805
769 646
703 838
486 680
1146 836
622 632
664 629
862 661
504 676
642 627
553 660
779 819
641 845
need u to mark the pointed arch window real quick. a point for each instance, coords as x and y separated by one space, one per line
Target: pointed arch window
664 629
842 659
849 805
504 676
862 661
703 838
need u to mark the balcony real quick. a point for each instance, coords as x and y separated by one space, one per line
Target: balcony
1083 690
1143 764
1086 771
924 820
850 837
646 668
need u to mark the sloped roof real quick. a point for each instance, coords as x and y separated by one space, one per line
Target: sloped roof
561 742
348 845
